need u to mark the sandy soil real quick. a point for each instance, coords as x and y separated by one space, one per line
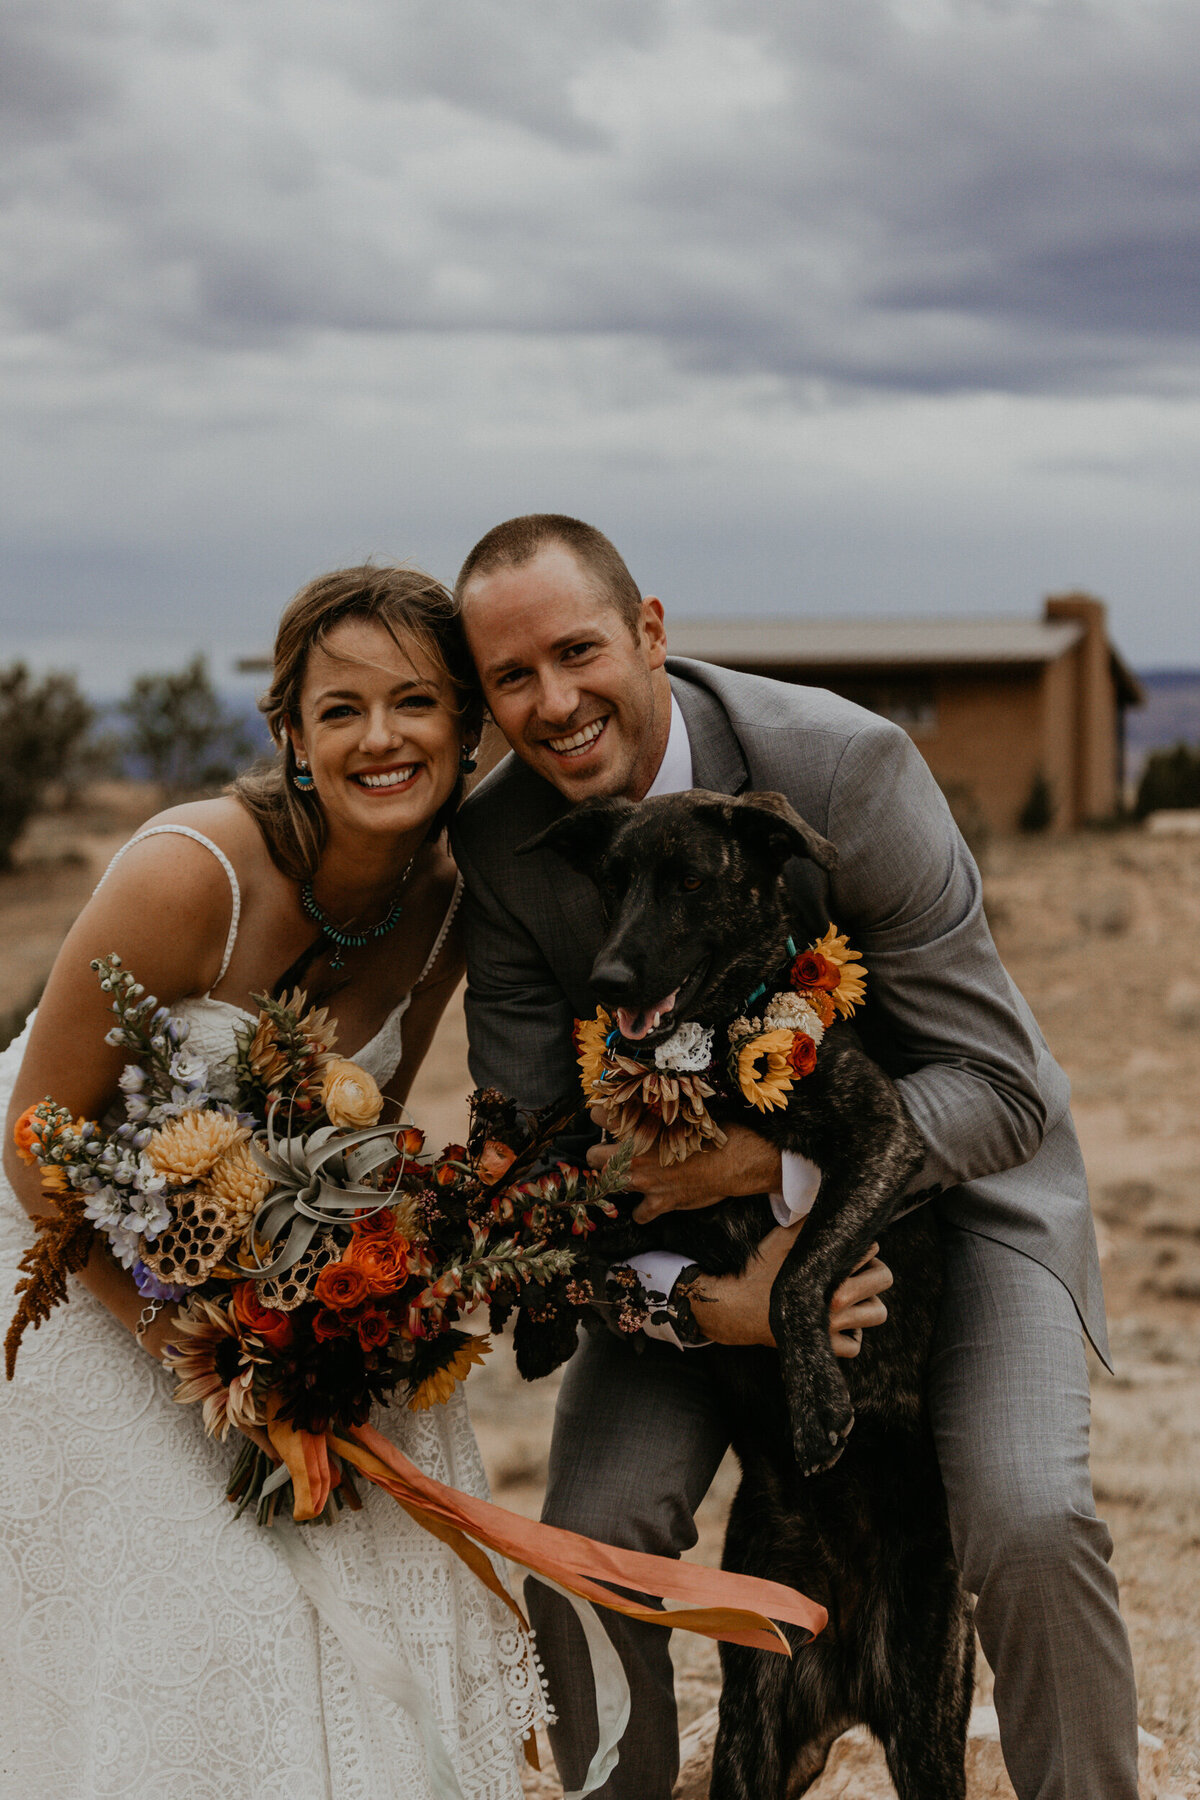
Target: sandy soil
1102 932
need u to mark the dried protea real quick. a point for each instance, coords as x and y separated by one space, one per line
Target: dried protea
186 1148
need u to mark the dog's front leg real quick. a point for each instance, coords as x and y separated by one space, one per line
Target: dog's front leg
839 1230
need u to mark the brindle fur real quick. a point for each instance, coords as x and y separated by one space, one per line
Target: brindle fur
857 1521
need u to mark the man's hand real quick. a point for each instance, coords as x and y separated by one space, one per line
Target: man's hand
746 1164
734 1309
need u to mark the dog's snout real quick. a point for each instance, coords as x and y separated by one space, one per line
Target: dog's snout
612 977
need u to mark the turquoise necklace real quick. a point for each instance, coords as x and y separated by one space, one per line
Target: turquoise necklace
353 940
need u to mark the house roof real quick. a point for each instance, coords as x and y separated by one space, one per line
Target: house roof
843 643
874 644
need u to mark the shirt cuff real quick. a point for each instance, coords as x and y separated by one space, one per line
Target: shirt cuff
801 1179
658 1271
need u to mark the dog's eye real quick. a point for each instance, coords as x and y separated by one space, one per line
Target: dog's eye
690 883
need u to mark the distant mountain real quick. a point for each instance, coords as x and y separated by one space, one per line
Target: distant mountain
1171 713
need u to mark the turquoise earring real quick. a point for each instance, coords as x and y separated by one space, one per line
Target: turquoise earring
302 779
466 762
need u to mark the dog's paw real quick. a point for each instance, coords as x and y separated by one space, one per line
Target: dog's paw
821 1424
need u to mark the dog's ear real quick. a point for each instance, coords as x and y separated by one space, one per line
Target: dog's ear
773 822
583 833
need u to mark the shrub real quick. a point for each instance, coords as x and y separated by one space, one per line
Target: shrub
43 726
180 734
1170 779
1038 812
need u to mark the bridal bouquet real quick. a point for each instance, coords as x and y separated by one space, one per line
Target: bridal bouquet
321 1258
322 1261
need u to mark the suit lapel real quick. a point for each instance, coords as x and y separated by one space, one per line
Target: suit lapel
717 761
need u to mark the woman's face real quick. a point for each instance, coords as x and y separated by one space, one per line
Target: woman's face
379 729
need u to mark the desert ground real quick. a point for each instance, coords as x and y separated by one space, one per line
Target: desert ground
1102 932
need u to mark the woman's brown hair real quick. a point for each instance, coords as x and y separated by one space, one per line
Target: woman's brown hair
408 604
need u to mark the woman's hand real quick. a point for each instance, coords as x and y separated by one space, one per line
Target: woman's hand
735 1309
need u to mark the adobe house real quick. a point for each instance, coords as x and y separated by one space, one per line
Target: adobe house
996 706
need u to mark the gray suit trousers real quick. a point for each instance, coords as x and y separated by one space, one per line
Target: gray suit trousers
637 1441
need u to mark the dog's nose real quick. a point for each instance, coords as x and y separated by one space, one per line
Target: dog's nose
612 977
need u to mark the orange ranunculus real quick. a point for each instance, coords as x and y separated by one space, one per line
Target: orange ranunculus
495 1162
340 1285
24 1137
381 1261
269 1325
326 1325
802 1057
350 1096
822 1004
373 1328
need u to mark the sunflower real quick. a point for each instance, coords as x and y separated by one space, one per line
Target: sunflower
591 1042
437 1388
835 948
215 1367
186 1148
769 1086
657 1106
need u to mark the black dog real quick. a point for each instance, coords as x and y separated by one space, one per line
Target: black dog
698 910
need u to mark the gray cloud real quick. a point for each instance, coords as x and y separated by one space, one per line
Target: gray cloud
843 296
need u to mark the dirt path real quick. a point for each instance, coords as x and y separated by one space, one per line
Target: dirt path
1102 932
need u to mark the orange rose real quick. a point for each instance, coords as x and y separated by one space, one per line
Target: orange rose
802 1057
379 1223
812 970
326 1325
410 1141
381 1261
374 1329
269 1325
340 1286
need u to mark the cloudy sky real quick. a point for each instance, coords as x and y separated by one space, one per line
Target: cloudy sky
818 307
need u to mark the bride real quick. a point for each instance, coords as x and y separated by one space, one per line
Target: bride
152 1644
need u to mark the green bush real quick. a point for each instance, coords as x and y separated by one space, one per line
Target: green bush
179 733
43 727
1170 779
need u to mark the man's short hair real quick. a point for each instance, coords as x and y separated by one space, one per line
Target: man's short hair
518 541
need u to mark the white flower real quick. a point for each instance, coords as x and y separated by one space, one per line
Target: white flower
189 1071
132 1079
127 1246
105 1208
687 1050
136 1108
148 1177
791 1012
148 1213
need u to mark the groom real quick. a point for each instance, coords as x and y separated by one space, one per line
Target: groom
574 668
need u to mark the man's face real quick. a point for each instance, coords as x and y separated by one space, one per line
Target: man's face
581 698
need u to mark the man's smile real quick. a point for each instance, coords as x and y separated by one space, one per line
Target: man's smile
578 743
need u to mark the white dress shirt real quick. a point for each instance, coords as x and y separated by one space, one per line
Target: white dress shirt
658 1270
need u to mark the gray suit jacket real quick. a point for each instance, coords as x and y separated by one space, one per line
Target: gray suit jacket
943 1015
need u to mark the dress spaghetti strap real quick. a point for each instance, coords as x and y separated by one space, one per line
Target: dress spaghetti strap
440 939
199 838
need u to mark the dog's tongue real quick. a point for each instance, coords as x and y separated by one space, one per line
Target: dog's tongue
635 1025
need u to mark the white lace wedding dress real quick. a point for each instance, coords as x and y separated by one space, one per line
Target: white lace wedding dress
155 1647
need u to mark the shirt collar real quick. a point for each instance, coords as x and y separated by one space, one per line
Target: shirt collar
675 770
